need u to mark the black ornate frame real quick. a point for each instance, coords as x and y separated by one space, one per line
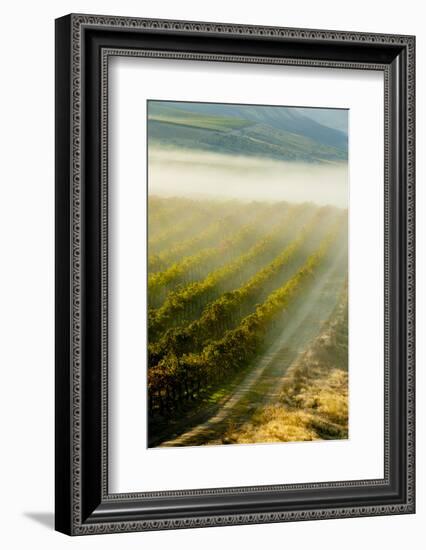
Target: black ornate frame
83 45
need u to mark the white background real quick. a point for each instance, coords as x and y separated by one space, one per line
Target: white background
26 301
360 457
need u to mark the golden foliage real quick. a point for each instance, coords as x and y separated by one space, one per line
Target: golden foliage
313 403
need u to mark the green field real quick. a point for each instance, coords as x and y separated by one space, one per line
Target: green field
197 120
283 134
237 291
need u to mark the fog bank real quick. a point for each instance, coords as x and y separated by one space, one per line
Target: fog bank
174 172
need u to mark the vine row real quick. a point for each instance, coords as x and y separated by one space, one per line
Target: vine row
185 302
222 313
178 379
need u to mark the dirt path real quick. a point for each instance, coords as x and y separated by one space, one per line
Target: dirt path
263 382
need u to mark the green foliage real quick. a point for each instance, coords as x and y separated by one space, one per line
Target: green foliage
274 132
182 301
177 378
225 219
164 213
220 124
177 230
219 314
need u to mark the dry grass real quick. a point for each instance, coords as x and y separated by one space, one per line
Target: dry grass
314 401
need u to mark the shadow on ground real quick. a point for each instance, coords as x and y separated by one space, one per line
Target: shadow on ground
44 518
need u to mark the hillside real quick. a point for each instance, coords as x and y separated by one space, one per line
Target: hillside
281 133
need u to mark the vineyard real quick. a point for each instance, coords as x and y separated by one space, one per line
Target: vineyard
226 280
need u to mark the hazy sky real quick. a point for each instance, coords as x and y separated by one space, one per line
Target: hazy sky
333 118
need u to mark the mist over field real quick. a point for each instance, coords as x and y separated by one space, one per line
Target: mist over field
199 174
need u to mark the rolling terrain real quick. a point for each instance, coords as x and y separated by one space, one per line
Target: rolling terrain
285 134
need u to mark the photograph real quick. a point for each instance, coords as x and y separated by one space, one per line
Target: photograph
247 274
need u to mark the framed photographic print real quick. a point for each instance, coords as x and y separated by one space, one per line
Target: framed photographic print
234 274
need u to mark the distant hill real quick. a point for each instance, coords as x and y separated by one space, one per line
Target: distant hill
332 118
284 133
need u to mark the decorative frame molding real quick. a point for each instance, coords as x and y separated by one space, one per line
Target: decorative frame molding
84 43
